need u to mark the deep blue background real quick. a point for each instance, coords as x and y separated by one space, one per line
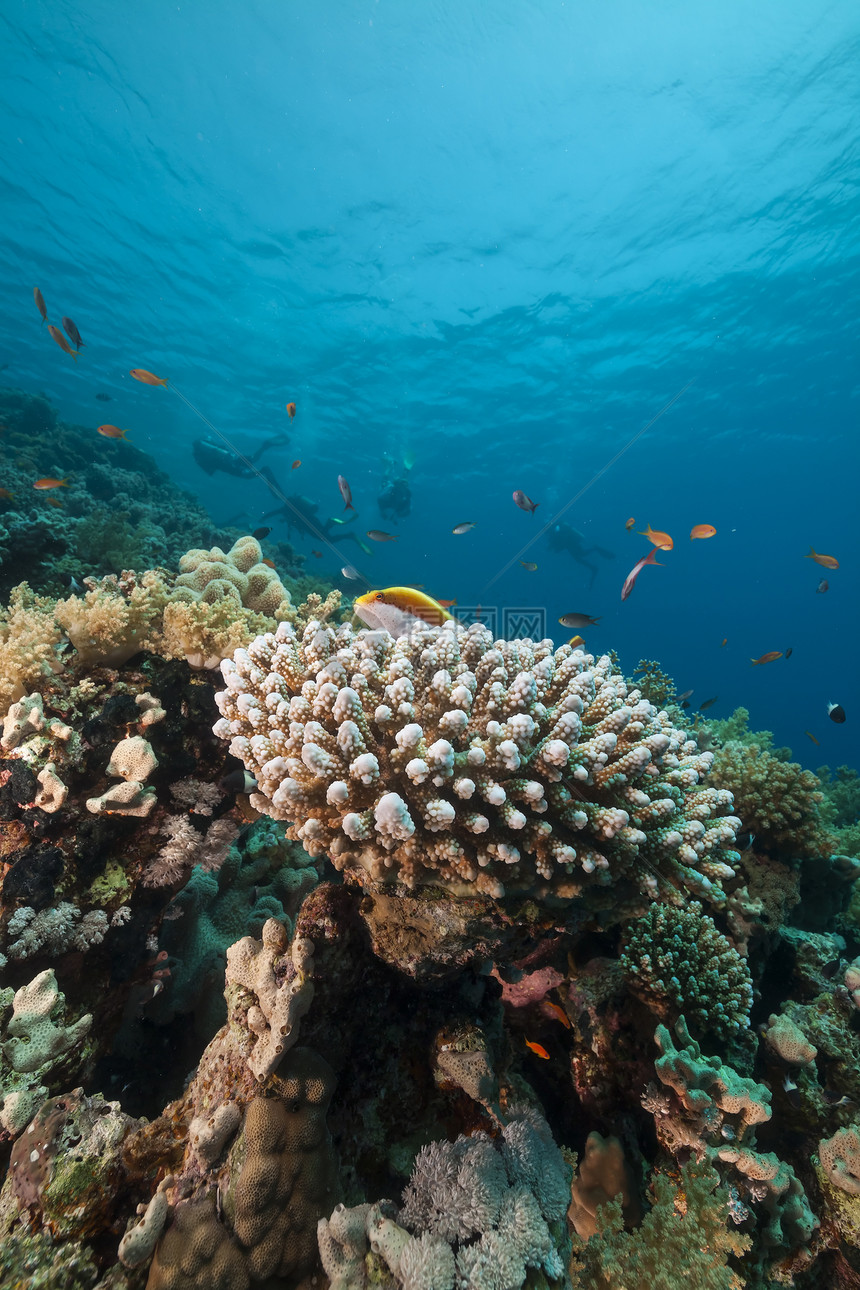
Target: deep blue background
497 236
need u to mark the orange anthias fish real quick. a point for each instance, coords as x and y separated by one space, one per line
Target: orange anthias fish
147 378
40 303
394 609
6 495
629 524
557 1011
826 561
112 432
291 410
269 563
724 641
812 737
42 484
64 345
661 540
702 531
539 1049
296 464
54 501
770 657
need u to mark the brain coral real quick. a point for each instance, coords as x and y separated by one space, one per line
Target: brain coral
448 756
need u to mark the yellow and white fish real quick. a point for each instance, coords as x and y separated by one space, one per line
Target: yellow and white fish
396 609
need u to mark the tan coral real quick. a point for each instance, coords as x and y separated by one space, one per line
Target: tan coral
788 1041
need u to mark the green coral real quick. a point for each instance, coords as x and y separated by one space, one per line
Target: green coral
777 801
684 1240
38 1263
677 957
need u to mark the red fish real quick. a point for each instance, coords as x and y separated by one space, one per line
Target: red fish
72 332
525 503
42 484
291 410
345 492
702 531
269 563
147 378
112 432
62 342
630 580
629 524
539 1049
770 657
296 464
40 303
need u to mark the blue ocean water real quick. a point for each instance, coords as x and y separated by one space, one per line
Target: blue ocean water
493 240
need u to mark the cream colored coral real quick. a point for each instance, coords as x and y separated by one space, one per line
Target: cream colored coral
447 756
212 575
132 758
29 639
115 618
279 1007
53 791
128 798
788 1041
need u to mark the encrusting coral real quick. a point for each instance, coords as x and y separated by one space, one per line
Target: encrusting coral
446 756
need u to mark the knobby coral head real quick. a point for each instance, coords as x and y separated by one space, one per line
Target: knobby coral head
447 756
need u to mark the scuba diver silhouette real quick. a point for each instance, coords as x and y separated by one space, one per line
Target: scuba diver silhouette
564 537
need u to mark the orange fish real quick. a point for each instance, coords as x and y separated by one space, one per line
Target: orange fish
296 464
291 410
702 531
558 1012
662 541
112 432
539 1049
54 501
826 561
724 641
318 554
770 657
40 303
630 523
269 563
62 342
812 737
51 483
148 378
6 495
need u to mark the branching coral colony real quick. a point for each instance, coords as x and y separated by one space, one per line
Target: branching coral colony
541 933
487 765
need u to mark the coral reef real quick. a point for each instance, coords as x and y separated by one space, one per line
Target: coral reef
546 945
446 756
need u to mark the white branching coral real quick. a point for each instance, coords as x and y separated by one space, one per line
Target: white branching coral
448 756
